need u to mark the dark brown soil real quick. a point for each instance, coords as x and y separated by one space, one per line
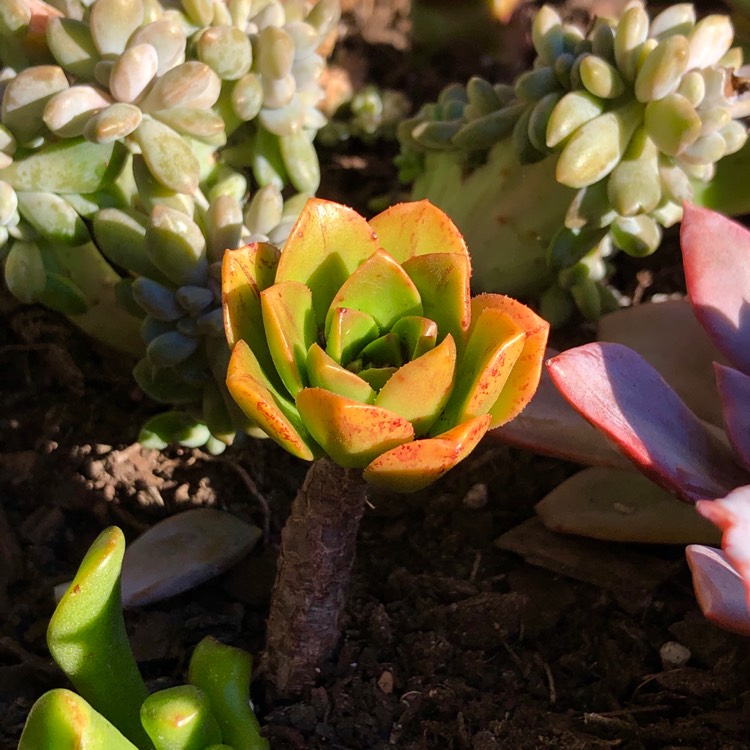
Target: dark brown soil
449 640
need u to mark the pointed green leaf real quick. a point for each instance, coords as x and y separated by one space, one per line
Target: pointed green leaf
289 323
418 335
348 333
419 390
379 287
324 372
443 283
384 351
377 377
327 243
351 433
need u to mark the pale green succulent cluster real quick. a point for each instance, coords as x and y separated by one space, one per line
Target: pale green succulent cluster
593 149
139 140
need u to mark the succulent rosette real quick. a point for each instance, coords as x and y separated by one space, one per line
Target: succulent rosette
361 341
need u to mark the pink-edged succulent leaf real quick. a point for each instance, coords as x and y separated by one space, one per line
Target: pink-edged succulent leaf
734 389
719 589
326 245
551 426
351 433
413 466
622 506
616 390
732 515
716 257
669 336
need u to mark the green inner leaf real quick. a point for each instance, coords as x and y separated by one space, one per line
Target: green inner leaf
348 332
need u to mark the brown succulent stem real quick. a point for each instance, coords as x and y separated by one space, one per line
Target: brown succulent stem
318 545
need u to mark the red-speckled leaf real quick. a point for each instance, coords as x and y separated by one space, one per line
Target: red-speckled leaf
245 272
719 589
350 432
265 406
550 425
734 389
417 228
524 377
732 515
289 323
324 372
413 466
716 256
443 283
616 390
419 390
380 288
669 337
494 346
327 243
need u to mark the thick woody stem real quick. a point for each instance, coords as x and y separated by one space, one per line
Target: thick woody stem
318 544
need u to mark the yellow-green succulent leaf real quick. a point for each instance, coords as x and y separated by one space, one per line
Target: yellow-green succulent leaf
86 637
351 433
420 389
443 283
417 228
326 244
384 351
377 377
414 466
348 332
265 406
495 343
379 287
62 720
245 272
289 324
523 380
324 372
418 335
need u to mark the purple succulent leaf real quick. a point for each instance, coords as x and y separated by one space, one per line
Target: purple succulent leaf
732 515
716 258
550 426
622 395
734 390
719 589
668 336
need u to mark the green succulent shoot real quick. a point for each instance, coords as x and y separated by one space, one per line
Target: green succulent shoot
360 341
359 348
112 709
592 150
139 140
